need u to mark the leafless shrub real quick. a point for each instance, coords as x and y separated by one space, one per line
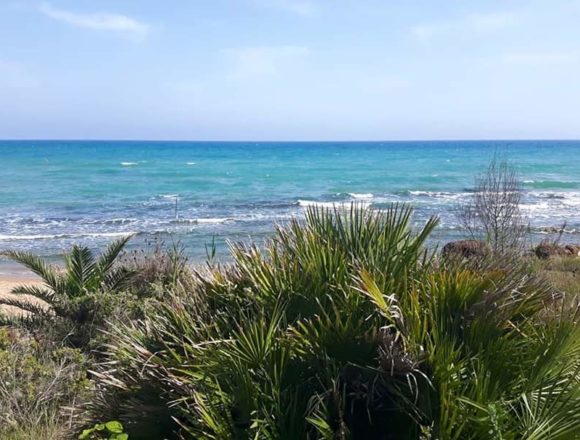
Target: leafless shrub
493 212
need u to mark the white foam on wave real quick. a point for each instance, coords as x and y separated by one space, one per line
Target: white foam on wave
308 203
169 196
57 236
438 194
361 195
29 237
571 198
190 163
195 221
129 164
213 220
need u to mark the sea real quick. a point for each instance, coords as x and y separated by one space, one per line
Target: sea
54 194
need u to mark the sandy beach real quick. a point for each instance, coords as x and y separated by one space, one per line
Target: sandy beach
8 282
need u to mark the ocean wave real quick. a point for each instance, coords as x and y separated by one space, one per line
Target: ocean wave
129 164
554 230
547 195
556 184
60 236
190 163
308 203
437 194
115 221
361 195
195 221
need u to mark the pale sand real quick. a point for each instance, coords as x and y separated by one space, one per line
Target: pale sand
7 282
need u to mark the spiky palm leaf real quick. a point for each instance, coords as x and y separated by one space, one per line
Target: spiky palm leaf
83 274
48 273
340 327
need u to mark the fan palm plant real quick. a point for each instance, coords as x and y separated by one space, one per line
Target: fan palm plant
250 353
343 327
68 292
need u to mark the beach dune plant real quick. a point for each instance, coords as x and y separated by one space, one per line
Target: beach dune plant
343 326
269 336
69 293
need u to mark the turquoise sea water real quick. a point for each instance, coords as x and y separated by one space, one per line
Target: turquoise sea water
56 193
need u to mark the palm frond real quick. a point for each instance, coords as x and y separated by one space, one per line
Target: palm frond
26 306
46 295
116 279
38 266
81 270
107 259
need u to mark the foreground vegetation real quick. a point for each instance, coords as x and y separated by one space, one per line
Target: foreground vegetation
343 326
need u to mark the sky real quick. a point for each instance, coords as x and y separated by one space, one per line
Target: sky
289 69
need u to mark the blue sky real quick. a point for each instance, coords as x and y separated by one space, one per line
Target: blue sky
290 69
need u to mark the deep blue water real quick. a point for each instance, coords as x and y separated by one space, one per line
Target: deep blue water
56 193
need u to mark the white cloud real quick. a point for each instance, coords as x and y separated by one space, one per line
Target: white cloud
299 7
262 61
534 59
472 23
101 21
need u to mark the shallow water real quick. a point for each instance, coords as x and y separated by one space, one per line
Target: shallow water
56 193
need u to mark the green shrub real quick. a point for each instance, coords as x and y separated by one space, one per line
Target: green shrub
344 328
157 268
40 387
268 336
112 430
78 298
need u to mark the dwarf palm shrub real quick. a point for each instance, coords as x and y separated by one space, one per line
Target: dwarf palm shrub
343 327
273 331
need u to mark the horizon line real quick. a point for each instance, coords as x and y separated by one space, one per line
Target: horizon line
290 140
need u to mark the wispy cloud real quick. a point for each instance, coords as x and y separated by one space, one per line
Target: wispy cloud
100 21
262 61
471 23
299 7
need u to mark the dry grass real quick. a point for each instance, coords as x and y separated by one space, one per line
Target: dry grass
562 272
41 386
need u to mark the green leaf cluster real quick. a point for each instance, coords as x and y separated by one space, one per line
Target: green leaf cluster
343 326
112 430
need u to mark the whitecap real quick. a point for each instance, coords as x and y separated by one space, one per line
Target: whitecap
30 237
195 221
361 195
438 194
308 203
213 220
128 164
190 163
56 236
